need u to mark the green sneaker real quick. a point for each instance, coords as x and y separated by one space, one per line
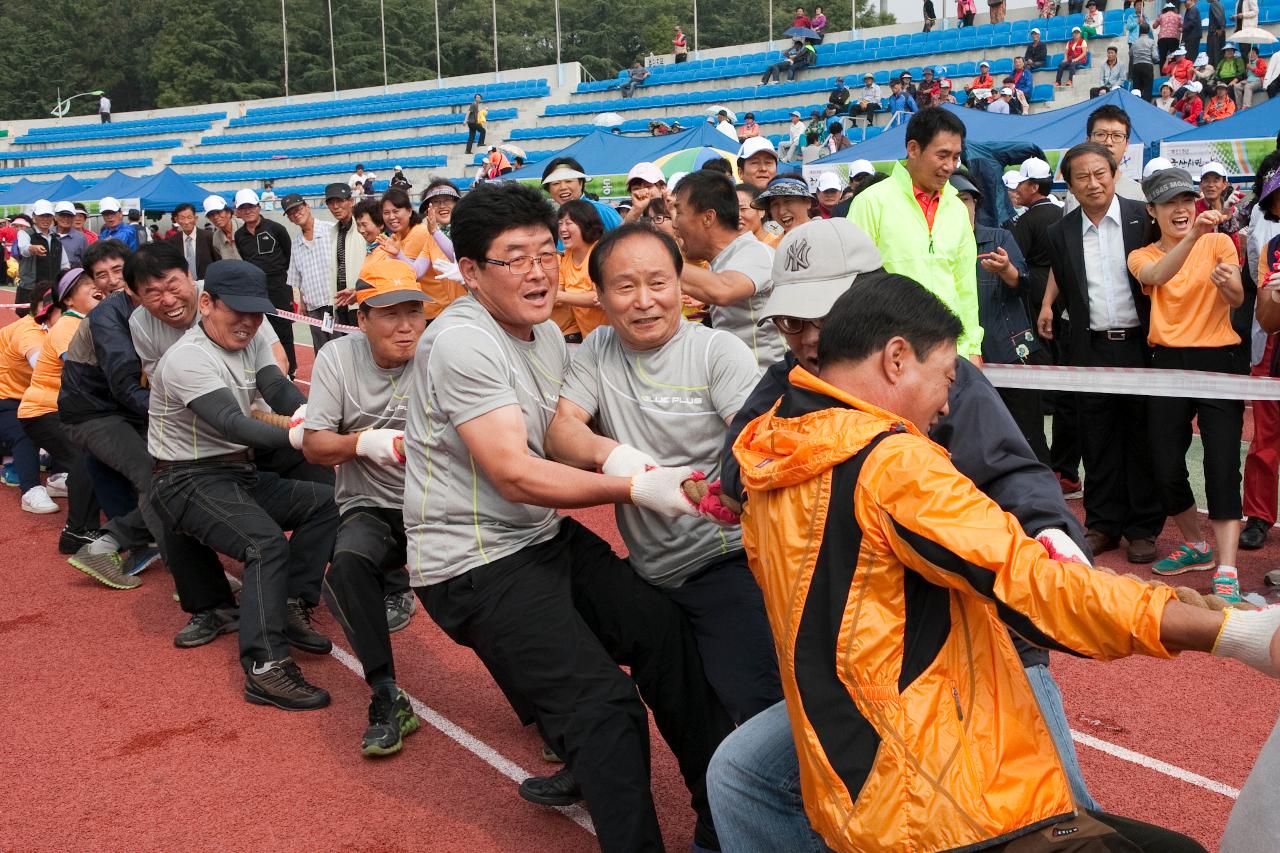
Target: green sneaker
1227 587
105 568
1185 558
390 719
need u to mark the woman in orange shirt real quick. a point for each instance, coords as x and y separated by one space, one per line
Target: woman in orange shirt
409 239
76 295
20 344
1192 274
580 229
751 218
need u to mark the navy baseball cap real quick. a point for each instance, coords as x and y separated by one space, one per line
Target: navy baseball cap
337 190
241 285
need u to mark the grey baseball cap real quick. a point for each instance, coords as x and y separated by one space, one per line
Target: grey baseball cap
1167 184
814 264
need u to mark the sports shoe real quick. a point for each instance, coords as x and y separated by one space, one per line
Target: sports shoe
37 500
400 607
11 475
298 630
1254 535
1185 558
104 568
391 718
558 789
1227 587
206 626
56 485
71 541
280 683
1072 489
141 559
232 581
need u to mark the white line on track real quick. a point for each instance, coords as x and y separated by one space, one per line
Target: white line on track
1155 764
469 742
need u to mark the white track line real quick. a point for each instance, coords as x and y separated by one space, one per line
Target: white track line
470 742
1155 764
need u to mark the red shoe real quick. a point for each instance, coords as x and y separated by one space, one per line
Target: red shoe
1071 489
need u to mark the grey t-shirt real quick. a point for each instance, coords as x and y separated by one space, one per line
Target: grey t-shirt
351 393
754 259
468 366
152 338
673 403
193 367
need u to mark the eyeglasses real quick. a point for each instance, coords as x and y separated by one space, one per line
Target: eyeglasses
658 218
795 325
524 264
1109 136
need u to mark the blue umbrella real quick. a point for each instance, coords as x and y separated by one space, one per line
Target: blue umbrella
803 33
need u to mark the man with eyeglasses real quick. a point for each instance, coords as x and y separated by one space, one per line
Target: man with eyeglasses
266 244
1109 126
547 606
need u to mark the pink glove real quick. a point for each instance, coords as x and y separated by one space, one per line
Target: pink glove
1061 547
710 505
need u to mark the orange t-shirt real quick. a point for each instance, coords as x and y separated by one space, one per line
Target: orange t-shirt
769 238
41 396
16 340
1187 310
442 290
573 277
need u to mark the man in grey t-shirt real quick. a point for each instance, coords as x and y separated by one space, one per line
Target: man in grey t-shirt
355 420
206 486
546 604
658 388
740 278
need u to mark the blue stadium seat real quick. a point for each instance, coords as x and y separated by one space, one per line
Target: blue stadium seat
1042 93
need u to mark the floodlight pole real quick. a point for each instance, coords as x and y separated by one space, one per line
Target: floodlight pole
63 107
382 18
333 58
284 37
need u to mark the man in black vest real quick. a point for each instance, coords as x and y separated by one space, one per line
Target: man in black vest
1109 321
39 256
267 245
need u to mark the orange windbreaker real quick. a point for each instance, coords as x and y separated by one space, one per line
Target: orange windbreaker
889 580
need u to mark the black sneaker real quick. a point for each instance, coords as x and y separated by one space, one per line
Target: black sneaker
391 718
400 606
1254 535
70 540
558 789
207 625
298 630
280 683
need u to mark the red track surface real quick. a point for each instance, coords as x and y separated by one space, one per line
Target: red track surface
118 741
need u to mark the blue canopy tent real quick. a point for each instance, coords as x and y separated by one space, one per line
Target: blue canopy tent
1239 143
22 192
604 153
117 185
167 189
64 189
1259 122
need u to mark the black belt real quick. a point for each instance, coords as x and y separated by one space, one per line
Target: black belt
243 456
1117 334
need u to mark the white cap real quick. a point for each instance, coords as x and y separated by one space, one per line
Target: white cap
984 64
1034 169
1195 86
109 204
829 181
43 207
861 167
1006 91
1155 164
1115 87
1214 168
1035 31
673 180
1179 51
755 145
64 207
1011 180
1202 59
1078 30
1229 46
244 197
563 173
398 169
795 114
646 172
1137 93
214 203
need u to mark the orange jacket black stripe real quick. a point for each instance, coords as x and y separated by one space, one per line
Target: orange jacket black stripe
889 581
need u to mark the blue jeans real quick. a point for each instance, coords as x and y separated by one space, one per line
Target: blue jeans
753 780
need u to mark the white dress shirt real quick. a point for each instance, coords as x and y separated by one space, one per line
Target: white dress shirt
1106 273
311 266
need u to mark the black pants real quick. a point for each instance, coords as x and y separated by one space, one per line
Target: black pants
122 446
319 337
475 132
367 566
104 118
1221 423
1118 470
1064 436
1217 38
726 608
116 496
1143 75
1166 47
1026 405
239 511
1145 837
26 456
551 623
46 432
682 57
281 296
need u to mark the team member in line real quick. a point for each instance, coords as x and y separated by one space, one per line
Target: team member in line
547 606
661 391
20 344
206 485
355 420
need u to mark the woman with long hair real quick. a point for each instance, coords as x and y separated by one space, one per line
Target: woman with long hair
580 229
752 218
409 239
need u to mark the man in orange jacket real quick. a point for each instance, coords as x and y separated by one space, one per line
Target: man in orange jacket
889 580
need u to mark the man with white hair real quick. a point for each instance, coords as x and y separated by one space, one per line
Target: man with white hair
791 148
73 241
113 225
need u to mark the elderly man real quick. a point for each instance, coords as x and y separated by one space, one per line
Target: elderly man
646 348
791 149
40 256
72 239
636 75
266 244
224 227
311 260
113 225
196 244
737 281
202 435
867 101
348 247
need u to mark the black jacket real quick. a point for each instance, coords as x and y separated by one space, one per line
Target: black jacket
1009 336
102 374
268 248
1037 53
1031 230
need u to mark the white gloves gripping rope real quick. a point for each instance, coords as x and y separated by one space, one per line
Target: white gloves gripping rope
659 490
1246 636
381 446
626 461
296 432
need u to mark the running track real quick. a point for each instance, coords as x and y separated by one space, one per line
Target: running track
118 741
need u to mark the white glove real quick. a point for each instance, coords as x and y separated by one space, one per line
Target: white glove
299 415
296 432
626 461
379 446
447 269
1246 636
659 490
1061 547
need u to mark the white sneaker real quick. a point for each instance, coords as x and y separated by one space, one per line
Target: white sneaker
56 485
37 500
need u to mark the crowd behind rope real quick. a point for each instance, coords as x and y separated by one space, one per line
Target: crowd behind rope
779 392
